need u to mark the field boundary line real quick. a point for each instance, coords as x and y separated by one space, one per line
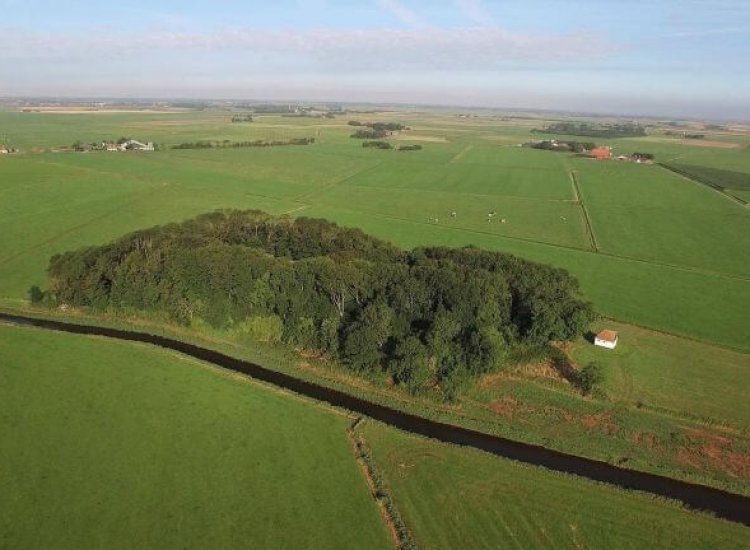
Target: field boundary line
308 195
379 493
458 156
579 196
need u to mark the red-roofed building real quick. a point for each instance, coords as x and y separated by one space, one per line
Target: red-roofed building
606 339
601 152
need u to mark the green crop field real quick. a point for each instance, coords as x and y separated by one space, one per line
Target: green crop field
451 497
113 445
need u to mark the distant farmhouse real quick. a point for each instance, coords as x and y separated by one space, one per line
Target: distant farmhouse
601 153
638 158
606 339
128 145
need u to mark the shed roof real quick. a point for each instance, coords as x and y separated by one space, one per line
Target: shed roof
607 335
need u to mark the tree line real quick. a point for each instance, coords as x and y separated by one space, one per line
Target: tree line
623 129
432 318
209 144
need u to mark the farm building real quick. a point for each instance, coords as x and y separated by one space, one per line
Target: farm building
601 152
606 339
133 145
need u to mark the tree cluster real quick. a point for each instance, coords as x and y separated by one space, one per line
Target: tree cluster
616 130
409 148
376 130
369 134
431 318
242 118
378 126
378 144
642 156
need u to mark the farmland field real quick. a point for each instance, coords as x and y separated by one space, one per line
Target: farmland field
660 237
114 445
662 257
460 498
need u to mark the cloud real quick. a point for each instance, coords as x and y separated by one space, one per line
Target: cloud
476 12
337 49
401 12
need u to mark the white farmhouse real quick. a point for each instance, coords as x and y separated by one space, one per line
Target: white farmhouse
606 339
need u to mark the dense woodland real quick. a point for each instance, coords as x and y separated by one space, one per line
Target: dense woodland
430 318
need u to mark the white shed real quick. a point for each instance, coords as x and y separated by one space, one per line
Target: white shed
606 339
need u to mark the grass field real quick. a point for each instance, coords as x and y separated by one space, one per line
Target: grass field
672 253
114 445
461 498
661 238
649 213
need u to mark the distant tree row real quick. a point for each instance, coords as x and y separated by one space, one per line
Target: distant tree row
208 144
684 135
625 129
432 318
384 126
562 146
242 118
379 144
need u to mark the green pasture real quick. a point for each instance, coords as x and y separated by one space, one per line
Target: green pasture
555 222
514 172
649 213
673 253
452 497
115 445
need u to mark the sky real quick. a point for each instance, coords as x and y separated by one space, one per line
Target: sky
682 58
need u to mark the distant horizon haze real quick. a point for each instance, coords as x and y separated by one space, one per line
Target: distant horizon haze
683 59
